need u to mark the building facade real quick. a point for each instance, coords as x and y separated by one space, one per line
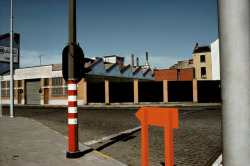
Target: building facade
45 84
174 74
202 62
183 65
205 62
215 55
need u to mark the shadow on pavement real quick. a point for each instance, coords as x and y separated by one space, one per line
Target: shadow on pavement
122 137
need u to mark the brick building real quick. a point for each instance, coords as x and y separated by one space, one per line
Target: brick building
205 63
174 74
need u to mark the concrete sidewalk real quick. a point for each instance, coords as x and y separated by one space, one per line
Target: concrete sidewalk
26 142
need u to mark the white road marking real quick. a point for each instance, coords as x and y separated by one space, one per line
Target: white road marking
218 162
120 133
112 136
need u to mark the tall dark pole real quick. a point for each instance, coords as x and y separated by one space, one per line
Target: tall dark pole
72 38
1 111
73 151
11 64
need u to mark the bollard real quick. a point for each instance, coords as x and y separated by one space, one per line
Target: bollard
72 120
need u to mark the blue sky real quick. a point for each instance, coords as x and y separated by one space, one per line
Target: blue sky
167 29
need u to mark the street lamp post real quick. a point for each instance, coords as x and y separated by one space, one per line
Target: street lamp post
11 64
1 111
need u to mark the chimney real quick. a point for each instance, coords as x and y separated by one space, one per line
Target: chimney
132 60
196 46
137 61
147 64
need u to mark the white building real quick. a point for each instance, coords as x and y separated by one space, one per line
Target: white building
215 56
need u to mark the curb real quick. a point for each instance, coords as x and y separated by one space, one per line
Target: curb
80 144
98 105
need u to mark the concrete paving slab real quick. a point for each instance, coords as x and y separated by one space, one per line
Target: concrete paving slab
26 142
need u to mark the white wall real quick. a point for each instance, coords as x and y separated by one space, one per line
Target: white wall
110 59
34 73
215 60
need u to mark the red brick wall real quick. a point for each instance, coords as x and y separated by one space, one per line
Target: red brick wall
170 75
186 74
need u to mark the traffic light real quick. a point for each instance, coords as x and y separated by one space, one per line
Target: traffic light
79 63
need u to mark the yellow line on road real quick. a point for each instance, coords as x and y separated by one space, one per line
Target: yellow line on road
40 123
103 155
56 131
45 126
99 153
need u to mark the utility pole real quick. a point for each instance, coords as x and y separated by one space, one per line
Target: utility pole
234 35
11 64
73 151
73 70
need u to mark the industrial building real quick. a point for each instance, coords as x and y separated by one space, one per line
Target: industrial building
45 84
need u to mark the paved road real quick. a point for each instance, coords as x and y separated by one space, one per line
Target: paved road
196 142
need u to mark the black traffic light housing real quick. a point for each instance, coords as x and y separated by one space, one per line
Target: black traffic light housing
79 63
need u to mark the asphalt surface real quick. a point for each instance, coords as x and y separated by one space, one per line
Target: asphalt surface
196 142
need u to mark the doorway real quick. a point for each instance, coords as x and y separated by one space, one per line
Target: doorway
46 96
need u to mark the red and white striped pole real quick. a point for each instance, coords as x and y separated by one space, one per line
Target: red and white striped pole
72 120
73 151
72 116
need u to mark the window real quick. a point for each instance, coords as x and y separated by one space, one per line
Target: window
8 89
203 58
57 86
3 89
46 82
65 88
19 83
203 72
